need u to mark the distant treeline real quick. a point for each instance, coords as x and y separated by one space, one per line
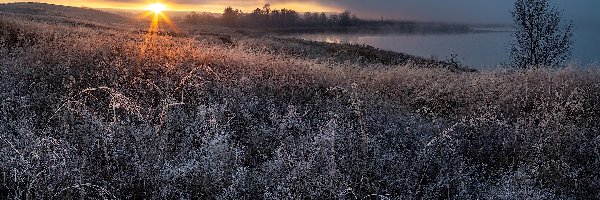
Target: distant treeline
288 18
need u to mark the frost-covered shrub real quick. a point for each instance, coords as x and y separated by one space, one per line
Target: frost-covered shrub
112 113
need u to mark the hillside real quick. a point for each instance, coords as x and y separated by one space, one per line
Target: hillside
216 113
42 11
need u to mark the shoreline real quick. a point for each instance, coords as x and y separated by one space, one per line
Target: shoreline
336 51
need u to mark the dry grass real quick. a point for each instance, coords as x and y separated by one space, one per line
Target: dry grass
113 114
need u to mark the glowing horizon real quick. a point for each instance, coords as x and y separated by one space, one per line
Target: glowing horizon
460 11
215 7
157 7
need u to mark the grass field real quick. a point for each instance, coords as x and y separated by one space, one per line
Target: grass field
111 112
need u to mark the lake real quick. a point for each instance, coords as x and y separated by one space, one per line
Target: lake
479 50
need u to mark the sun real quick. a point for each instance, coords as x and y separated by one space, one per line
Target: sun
157 8
156 12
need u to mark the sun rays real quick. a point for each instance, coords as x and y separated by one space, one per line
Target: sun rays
156 11
158 18
157 8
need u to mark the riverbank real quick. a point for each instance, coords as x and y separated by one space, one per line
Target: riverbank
306 49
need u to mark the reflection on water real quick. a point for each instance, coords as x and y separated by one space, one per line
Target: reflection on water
341 39
476 50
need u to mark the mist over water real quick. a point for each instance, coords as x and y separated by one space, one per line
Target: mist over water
483 50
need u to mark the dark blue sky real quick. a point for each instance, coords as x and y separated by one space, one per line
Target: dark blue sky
473 11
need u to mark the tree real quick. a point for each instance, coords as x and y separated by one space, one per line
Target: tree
267 9
257 17
322 19
540 41
230 16
289 17
200 18
334 19
345 19
191 18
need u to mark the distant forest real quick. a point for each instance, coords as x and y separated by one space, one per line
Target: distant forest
288 18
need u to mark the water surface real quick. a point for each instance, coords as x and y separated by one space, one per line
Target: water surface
477 50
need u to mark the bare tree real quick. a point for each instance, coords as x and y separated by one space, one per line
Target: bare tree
540 40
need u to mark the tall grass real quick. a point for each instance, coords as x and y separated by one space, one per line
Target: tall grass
114 114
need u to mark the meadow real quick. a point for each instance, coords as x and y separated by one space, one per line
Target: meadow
110 112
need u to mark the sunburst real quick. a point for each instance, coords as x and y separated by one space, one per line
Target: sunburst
156 11
157 8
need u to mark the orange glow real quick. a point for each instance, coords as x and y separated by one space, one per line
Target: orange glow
216 6
158 19
156 12
157 8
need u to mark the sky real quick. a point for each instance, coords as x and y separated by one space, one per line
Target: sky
462 11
